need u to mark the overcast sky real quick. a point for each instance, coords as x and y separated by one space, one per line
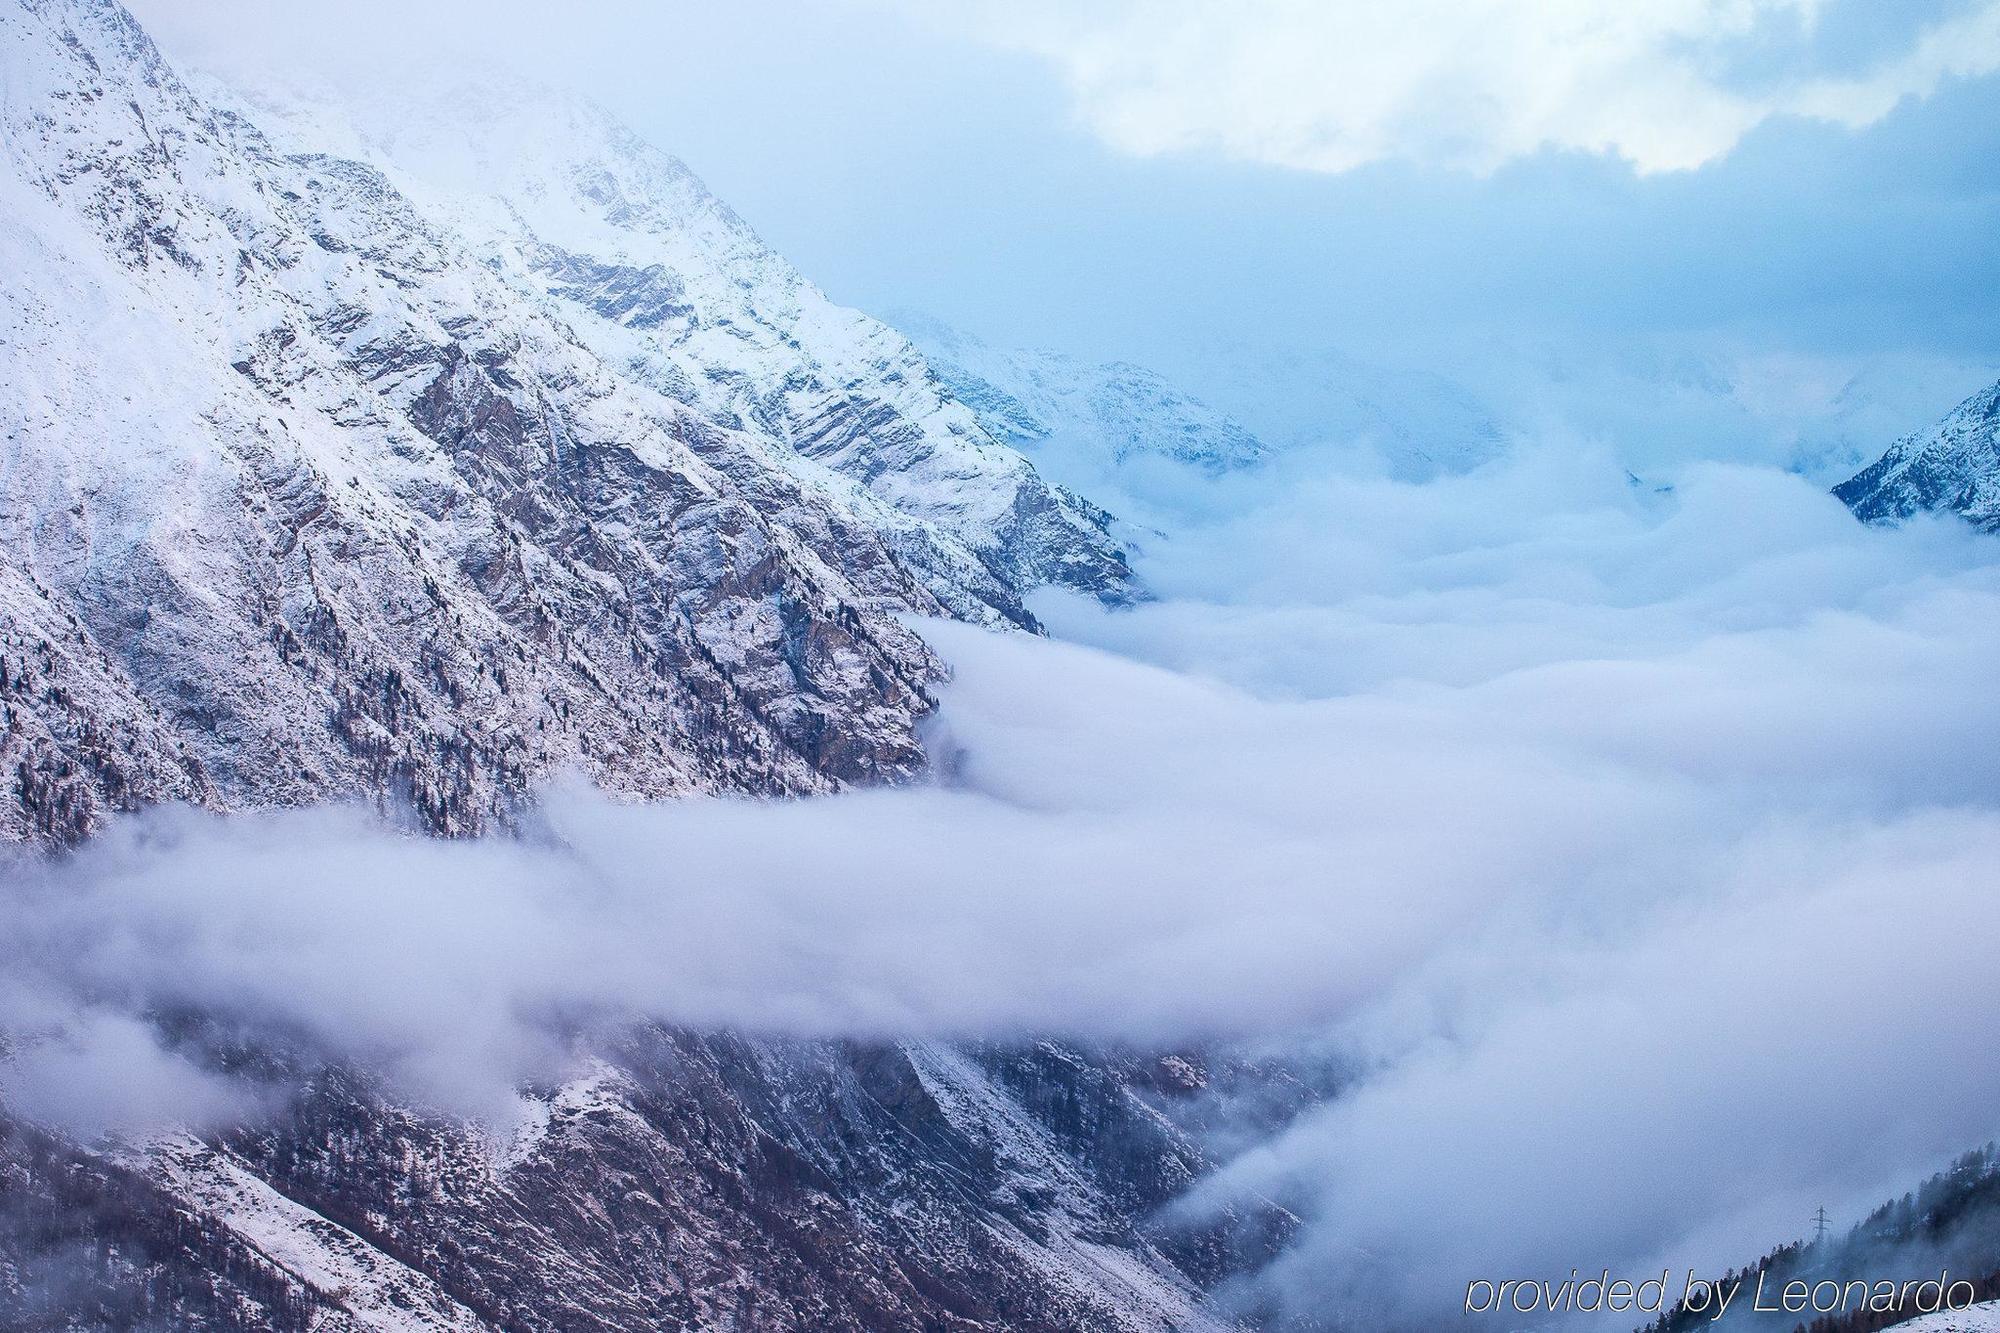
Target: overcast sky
1131 178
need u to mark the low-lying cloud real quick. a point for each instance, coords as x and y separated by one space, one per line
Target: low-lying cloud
1638 846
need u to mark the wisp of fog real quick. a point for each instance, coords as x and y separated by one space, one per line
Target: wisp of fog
1633 843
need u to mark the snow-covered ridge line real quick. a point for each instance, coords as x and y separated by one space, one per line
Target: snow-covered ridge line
665 281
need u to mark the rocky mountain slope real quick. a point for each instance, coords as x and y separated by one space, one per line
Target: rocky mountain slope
312 486
683 1183
1954 466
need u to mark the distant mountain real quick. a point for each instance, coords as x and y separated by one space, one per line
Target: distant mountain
1650 400
1083 421
1953 466
1221 409
420 462
1418 424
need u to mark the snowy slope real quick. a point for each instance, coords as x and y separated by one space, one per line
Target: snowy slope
377 1291
1954 466
666 282
301 495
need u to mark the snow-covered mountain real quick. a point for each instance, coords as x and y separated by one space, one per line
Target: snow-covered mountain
667 284
1954 466
336 464
1082 421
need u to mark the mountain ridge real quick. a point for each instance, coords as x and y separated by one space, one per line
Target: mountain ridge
305 499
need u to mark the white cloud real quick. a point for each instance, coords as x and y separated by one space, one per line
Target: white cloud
100 1072
1965 46
1669 1090
1330 85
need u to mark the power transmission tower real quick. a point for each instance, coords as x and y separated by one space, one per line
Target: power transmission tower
1820 1225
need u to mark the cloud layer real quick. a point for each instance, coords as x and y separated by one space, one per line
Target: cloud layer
1666 85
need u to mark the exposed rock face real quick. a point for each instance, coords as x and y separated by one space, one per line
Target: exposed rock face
688 1183
308 491
1954 466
